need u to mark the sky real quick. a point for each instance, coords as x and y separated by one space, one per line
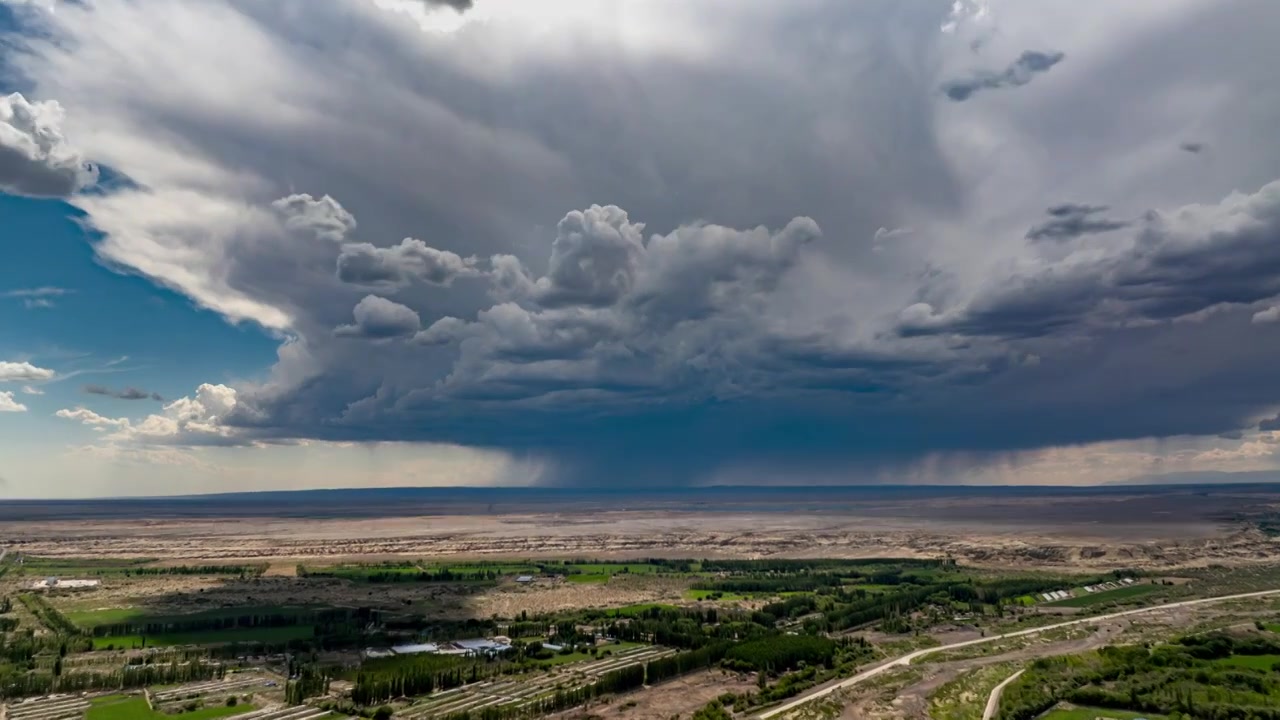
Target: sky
625 243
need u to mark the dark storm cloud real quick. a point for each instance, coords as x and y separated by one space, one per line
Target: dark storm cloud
1070 221
128 393
1195 148
670 350
1195 259
1020 72
1270 424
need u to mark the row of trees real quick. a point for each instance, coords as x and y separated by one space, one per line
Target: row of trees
417 675
17 682
308 682
48 615
242 571
7 624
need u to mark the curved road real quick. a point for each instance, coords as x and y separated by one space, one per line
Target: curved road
906 659
993 702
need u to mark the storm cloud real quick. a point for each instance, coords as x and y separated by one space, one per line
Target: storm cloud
647 256
1195 259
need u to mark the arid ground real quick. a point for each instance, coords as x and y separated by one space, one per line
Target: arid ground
1143 527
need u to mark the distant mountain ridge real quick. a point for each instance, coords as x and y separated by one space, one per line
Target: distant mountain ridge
1208 477
420 501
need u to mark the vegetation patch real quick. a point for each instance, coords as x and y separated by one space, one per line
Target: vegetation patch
1194 677
965 698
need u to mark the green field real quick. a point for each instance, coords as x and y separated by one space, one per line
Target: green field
1257 662
135 708
591 578
1084 713
211 637
111 616
640 609
1100 598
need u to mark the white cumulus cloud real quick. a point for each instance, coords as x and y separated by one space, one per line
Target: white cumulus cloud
24 372
9 405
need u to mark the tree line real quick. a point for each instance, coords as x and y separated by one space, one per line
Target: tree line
253 570
21 683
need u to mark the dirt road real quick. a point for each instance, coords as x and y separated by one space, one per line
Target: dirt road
909 657
993 702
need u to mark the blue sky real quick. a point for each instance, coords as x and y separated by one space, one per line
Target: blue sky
595 242
101 327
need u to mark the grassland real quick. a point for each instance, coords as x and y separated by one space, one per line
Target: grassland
117 707
1127 592
212 637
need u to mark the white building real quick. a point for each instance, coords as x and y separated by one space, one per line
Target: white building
53 582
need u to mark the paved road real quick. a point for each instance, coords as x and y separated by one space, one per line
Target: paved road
906 659
993 702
